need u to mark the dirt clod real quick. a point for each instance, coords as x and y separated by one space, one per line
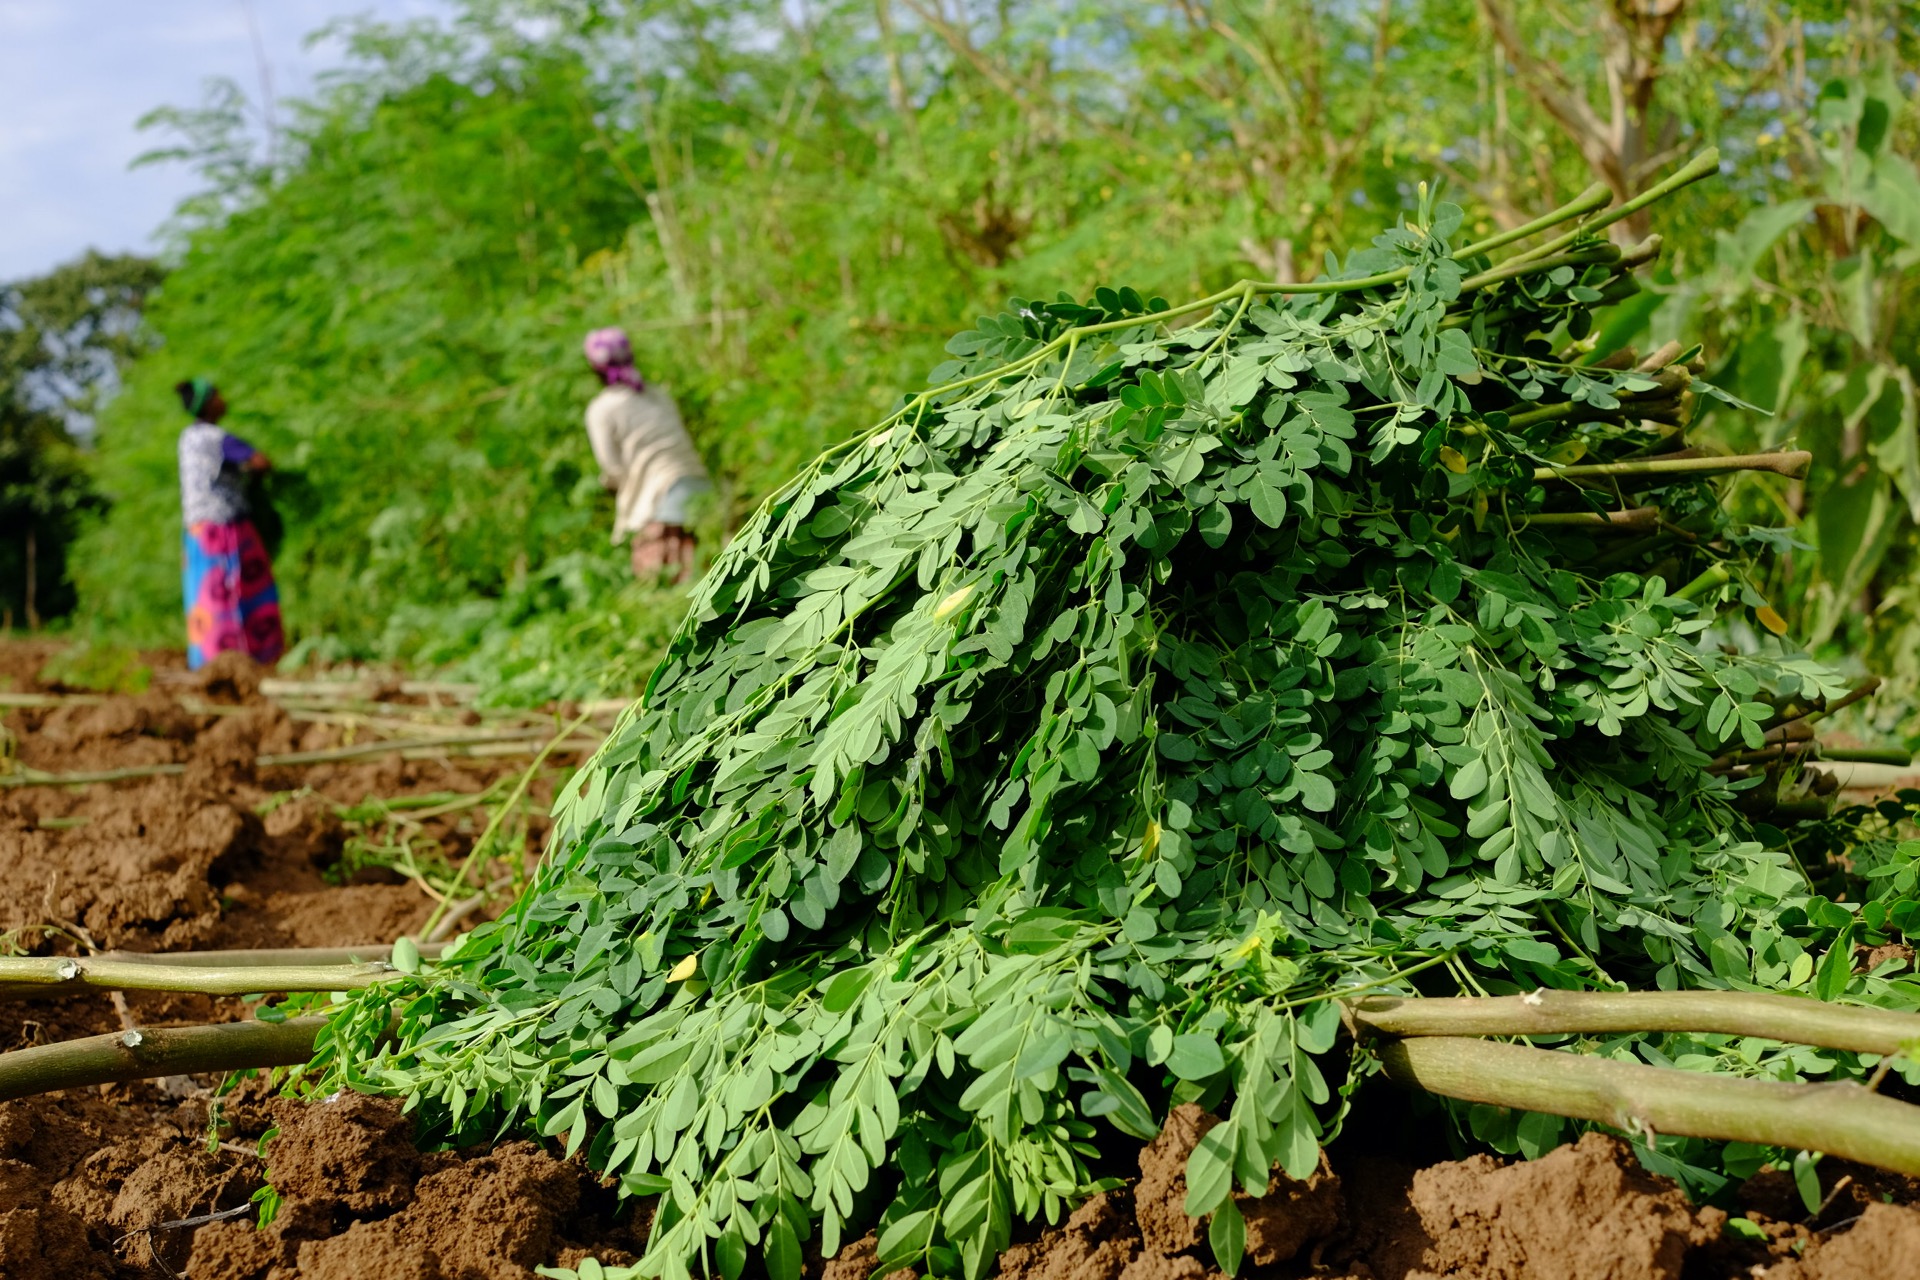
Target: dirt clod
352 1153
1883 1245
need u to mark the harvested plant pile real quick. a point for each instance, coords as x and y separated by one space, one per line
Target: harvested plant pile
1048 755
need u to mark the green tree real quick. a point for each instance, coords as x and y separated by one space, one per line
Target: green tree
787 206
64 338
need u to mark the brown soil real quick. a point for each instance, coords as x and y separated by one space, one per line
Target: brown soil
227 856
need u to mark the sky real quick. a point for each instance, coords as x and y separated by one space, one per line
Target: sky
75 75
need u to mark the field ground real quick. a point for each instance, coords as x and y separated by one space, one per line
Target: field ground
220 850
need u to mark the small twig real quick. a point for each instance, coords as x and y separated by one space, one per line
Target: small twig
276 687
29 700
181 1224
37 778
493 825
397 744
1846 1180
462 909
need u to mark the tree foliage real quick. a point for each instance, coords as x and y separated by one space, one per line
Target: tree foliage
1054 750
785 205
64 337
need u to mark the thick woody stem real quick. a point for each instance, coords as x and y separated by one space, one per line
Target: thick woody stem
60 974
1792 464
1792 1019
1590 254
273 956
1845 1120
1635 520
146 1053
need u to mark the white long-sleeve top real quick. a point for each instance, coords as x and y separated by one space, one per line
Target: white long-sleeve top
643 450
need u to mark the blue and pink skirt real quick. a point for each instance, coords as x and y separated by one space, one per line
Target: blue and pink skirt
232 601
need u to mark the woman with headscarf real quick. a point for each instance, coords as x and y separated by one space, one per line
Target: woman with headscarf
232 602
646 458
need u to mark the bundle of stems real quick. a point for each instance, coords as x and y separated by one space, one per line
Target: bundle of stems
1450 1046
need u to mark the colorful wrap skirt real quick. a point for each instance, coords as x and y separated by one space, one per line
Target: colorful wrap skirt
232 602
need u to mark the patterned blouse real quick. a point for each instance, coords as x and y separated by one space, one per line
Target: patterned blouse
211 490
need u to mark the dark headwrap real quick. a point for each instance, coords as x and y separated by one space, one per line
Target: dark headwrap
194 394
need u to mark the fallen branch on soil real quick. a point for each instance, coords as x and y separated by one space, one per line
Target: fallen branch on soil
363 690
362 750
1841 1119
1791 1019
37 778
273 957
478 745
432 931
57 975
146 1053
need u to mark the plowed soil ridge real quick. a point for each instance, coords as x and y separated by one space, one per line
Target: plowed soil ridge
225 856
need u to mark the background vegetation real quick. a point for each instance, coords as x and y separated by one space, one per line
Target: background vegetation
791 205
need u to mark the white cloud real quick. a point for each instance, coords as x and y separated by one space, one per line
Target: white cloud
76 74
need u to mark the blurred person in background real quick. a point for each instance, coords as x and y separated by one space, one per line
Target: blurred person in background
232 601
646 458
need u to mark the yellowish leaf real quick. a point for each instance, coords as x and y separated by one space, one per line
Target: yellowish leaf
684 970
1453 460
1567 453
1151 840
1770 619
952 602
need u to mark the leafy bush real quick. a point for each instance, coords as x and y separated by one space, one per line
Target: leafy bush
1055 750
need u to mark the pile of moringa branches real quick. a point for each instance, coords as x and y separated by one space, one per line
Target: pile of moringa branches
1050 753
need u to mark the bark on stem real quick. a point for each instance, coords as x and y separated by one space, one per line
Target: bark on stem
1602 253
1792 464
1791 1019
146 1053
1845 1120
60 974
1704 165
275 956
1633 520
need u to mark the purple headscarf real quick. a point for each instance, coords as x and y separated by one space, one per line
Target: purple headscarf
611 356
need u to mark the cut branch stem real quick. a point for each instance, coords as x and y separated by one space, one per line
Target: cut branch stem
1792 464
1791 1019
59 974
1845 1120
146 1053
275 957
